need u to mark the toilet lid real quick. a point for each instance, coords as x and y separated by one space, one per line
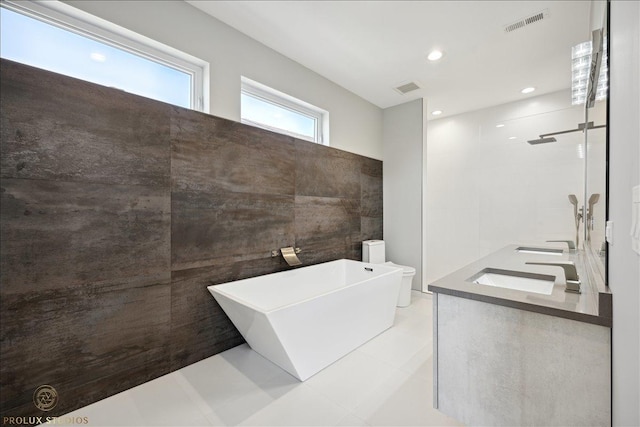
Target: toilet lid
406 270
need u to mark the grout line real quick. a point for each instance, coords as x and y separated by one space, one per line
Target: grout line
88 182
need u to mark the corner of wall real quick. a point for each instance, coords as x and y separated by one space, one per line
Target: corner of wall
403 140
624 167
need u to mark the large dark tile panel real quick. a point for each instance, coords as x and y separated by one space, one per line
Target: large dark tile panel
223 227
318 253
371 228
329 225
70 338
371 220
118 211
326 172
59 128
371 196
371 167
199 327
62 234
210 154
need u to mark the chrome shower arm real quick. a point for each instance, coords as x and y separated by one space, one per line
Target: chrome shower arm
581 127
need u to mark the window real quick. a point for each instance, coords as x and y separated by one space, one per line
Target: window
266 108
580 69
62 39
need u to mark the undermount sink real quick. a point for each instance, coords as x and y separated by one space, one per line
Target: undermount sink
538 251
517 280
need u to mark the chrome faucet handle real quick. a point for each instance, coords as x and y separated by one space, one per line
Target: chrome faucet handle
570 243
570 273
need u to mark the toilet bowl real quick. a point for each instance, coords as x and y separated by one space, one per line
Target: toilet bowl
373 251
404 296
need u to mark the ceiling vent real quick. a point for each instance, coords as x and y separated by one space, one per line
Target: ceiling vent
532 19
407 87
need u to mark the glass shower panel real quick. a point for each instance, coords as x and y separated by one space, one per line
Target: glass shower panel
596 186
524 194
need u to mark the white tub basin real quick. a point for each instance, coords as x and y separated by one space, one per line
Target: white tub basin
307 318
516 280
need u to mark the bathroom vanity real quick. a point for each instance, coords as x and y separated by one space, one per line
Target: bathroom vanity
533 355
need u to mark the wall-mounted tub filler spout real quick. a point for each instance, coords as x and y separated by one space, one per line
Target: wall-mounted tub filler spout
289 255
570 243
570 274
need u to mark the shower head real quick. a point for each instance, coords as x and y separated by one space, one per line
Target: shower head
573 199
594 199
548 137
542 140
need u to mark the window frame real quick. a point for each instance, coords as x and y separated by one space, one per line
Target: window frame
266 94
86 25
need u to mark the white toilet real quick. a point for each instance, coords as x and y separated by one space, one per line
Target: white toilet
373 251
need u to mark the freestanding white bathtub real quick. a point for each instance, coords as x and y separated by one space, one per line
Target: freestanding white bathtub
305 319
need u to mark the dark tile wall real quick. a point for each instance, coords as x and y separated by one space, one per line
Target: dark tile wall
118 211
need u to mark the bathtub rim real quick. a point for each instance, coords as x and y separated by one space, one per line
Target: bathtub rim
212 288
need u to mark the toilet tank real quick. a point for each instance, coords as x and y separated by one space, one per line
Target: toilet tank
373 251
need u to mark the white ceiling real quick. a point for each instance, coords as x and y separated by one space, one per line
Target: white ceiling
370 47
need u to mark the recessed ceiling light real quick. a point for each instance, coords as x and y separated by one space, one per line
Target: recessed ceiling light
513 137
436 112
500 125
435 55
528 89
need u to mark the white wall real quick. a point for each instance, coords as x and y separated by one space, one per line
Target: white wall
485 191
402 186
356 125
624 173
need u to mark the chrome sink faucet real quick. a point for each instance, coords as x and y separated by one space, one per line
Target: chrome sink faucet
570 274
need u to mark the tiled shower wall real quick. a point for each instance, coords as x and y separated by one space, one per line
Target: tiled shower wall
117 211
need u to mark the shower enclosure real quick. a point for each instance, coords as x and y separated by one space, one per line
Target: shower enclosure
527 172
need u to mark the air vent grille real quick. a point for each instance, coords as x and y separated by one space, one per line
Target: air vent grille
527 21
407 87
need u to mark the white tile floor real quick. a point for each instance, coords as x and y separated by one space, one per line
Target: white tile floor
386 382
